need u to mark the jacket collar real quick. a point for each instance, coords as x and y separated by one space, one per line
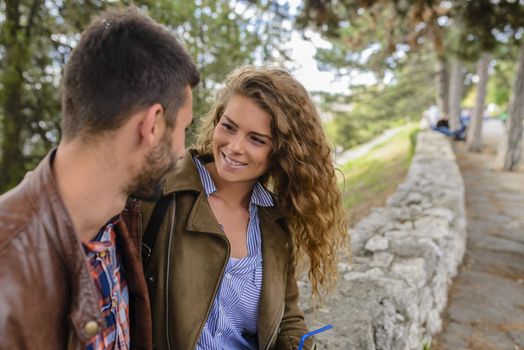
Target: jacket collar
45 198
184 177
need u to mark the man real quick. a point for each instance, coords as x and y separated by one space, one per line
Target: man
70 275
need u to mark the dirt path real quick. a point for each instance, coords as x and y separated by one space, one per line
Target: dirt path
486 305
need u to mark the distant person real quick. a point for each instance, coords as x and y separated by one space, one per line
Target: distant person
70 277
432 115
443 127
441 124
258 191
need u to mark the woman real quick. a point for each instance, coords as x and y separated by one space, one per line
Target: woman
222 270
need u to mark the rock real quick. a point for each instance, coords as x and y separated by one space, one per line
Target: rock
414 198
426 304
373 273
343 267
443 213
411 270
382 259
434 322
377 243
432 227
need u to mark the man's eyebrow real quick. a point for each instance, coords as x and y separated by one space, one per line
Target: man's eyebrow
253 132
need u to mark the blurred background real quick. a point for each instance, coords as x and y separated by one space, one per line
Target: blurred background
374 67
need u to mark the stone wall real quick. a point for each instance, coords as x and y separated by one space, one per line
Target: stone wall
404 256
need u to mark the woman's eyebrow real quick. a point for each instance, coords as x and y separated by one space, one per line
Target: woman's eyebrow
252 132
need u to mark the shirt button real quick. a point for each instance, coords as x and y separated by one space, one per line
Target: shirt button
228 276
91 328
219 334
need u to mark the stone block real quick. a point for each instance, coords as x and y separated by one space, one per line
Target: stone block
377 243
443 213
434 322
412 270
382 259
370 274
432 227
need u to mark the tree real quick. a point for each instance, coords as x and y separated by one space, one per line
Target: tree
17 42
222 35
388 29
482 27
382 106
509 153
37 37
489 25
474 138
456 89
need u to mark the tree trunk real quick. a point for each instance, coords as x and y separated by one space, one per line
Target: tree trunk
456 88
17 46
474 138
511 145
442 84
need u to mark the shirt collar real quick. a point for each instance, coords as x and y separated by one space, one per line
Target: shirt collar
259 196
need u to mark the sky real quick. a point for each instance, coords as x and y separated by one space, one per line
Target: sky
304 67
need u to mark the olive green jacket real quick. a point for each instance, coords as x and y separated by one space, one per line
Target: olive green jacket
188 261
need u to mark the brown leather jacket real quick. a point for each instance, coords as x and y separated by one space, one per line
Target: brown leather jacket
47 297
188 261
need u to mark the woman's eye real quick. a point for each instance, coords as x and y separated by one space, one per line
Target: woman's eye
258 140
227 126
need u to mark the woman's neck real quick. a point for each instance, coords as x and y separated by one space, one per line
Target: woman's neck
233 194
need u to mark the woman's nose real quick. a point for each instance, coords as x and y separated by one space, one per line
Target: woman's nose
236 144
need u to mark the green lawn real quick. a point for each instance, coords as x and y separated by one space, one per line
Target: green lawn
369 180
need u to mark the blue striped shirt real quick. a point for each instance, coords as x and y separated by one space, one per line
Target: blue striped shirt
233 320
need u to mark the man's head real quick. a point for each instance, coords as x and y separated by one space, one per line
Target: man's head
125 64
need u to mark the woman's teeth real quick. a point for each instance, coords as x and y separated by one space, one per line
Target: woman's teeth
233 162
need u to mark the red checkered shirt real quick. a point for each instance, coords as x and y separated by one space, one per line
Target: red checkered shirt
107 271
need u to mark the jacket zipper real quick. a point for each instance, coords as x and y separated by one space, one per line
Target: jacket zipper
275 332
168 258
214 292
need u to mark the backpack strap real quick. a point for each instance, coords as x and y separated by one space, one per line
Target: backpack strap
153 226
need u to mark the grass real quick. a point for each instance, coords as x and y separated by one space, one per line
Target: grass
369 180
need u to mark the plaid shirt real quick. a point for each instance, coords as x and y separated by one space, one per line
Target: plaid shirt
107 271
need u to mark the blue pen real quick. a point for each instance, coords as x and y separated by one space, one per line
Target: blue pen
312 333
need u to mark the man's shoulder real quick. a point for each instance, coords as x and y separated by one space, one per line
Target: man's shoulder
17 213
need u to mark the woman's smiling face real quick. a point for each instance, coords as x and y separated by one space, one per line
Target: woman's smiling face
242 141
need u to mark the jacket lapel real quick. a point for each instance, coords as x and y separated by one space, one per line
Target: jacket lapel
275 252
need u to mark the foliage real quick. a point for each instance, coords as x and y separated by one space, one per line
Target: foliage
222 35
35 40
383 106
37 37
501 83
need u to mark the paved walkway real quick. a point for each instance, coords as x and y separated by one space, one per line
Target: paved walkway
486 305
358 151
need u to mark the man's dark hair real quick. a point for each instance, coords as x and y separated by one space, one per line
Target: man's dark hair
123 62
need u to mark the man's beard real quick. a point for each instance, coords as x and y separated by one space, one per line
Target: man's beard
148 184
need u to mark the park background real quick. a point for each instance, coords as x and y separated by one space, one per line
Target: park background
379 65
374 68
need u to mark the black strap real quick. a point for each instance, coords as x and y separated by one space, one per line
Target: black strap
153 226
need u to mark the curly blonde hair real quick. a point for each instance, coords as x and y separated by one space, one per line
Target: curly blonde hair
301 173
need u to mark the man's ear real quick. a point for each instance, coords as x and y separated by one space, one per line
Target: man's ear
153 124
